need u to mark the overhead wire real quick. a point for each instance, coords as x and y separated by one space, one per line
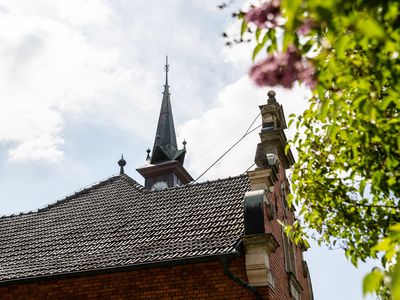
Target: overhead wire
248 131
252 123
249 168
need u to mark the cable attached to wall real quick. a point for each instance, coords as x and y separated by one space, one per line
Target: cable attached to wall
248 131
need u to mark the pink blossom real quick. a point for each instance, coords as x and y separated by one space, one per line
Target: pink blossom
264 16
306 26
283 69
307 75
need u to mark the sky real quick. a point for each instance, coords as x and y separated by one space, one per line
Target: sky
81 83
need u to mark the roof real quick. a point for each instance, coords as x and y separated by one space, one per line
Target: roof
118 223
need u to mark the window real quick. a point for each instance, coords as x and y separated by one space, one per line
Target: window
289 251
284 200
294 291
268 126
271 279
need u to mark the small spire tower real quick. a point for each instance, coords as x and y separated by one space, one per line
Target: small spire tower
165 163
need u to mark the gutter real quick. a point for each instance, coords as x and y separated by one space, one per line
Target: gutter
231 276
108 270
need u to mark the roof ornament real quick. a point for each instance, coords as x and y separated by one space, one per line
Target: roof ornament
271 97
166 68
122 163
184 144
148 155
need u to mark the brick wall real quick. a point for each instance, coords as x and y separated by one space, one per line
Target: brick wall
194 281
277 260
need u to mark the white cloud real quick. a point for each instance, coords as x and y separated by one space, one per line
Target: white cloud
50 70
221 126
81 13
238 54
75 12
45 147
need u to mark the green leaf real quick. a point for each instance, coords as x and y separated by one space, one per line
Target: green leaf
362 187
243 28
333 130
291 7
256 50
290 199
324 14
383 245
372 281
362 104
288 39
392 181
395 288
370 27
395 227
259 46
307 46
258 32
342 45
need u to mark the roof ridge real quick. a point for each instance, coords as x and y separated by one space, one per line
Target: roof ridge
78 192
219 179
199 183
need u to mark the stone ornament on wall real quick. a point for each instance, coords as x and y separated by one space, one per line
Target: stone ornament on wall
258 248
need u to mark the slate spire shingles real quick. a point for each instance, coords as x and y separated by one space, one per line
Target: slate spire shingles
165 147
118 223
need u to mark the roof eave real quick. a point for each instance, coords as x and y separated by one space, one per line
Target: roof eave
139 266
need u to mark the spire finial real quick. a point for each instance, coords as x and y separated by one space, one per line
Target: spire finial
122 164
271 97
148 154
166 68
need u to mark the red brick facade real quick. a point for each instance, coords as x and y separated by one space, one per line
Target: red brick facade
277 259
192 281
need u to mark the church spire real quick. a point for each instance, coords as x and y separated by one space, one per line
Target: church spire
164 166
165 147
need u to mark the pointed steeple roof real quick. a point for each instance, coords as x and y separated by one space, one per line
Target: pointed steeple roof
165 147
164 166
